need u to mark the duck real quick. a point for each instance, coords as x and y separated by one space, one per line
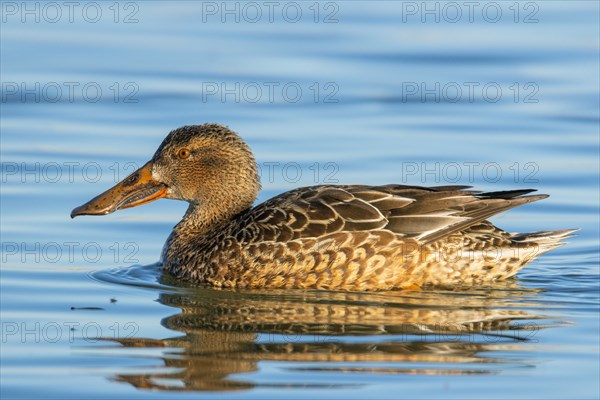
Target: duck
322 237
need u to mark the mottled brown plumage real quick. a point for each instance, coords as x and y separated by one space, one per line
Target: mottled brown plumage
343 237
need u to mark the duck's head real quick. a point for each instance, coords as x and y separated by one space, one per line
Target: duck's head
207 165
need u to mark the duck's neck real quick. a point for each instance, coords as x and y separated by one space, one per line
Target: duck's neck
195 231
201 221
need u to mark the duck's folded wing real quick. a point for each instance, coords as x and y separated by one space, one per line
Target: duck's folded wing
426 214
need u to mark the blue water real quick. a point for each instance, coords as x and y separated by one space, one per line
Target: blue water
329 92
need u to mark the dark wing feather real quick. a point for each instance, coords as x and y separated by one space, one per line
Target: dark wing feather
427 214
479 211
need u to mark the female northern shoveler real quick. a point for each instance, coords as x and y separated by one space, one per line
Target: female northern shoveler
346 237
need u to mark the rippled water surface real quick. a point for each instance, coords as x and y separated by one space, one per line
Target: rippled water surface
353 92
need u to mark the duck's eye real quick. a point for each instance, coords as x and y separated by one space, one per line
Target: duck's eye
183 153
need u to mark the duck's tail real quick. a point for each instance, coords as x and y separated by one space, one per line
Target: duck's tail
543 240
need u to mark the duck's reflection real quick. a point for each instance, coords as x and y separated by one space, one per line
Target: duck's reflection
228 333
